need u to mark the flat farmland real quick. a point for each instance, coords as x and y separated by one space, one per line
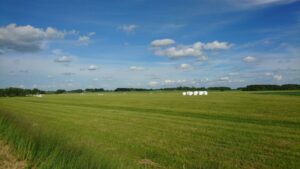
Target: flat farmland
154 130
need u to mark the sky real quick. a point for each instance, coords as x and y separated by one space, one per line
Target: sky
72 44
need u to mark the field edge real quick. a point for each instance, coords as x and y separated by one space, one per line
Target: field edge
45 151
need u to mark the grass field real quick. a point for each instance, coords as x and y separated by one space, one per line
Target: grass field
290 93
154 130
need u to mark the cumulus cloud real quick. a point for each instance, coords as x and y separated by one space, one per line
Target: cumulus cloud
84 40
180 52
268 74
215 45
63 59
92 67
128 28
162 48
153 83
136 68
184 66
56 51
224 78
233 74
167 81
249 59
26 38
162 42
277 77
91 33
265 2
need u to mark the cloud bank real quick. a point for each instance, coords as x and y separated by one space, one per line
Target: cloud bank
167 48
26 38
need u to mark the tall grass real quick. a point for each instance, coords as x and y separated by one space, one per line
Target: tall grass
46 150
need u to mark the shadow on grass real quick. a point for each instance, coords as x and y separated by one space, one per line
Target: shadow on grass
45 150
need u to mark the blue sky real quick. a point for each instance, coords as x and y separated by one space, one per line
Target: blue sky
145 43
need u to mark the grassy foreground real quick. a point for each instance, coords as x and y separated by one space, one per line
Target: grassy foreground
154 130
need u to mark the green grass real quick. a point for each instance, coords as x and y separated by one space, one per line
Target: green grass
158 130
289 93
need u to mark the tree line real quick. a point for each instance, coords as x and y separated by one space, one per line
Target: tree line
172 89
270 87
13 91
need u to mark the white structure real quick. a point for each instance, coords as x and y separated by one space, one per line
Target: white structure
195 93
38 95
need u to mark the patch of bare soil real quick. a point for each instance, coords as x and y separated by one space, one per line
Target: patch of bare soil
8 160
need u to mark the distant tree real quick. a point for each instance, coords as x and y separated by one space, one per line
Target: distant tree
130 89
261 87
35 91
76 91
290 87
222 88
60 91
271 87
94 90
183 88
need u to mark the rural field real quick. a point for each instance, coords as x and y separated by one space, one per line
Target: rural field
155 130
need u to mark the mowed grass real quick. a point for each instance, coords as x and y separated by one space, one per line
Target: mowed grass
155 130
290 93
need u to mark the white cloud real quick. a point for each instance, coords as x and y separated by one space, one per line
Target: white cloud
91 33
250 4
136 68
63 59
56 51
184 66
92 67
95 79
153 83
268 74
26 38
169 81
174 82
84 40
181 51
128 28
265 2
277 77
181 81
162 42
225 78
249 59
233 74
215 45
